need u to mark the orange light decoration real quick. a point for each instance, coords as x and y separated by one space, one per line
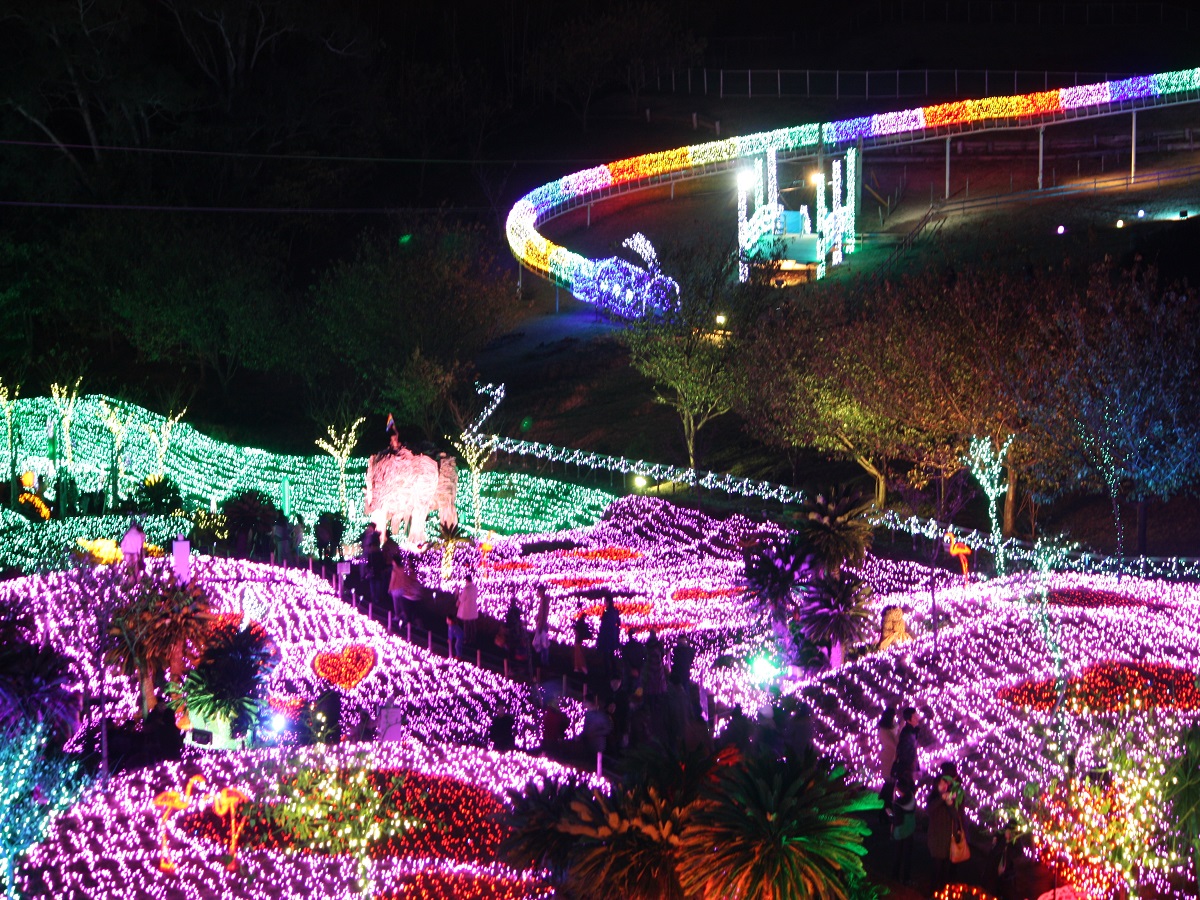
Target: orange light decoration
169 802
37 503
227 802
963 552
347 667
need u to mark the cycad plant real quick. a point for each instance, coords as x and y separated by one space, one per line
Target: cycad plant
37 686
159 495
775 569
534 839
835 612
776 830
833 524
627 845
230 682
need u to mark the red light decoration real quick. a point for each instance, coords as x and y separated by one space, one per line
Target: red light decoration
705 594
451 820
608 554
624 607
1092 598
512 565
575 584
1112 687
459 885
962 892
347 667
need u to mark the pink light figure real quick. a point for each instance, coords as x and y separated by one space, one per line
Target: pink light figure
963 552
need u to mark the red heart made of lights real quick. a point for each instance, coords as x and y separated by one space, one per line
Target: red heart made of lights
345 669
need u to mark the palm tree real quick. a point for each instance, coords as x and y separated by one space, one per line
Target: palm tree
835 527
776 830
835 612
774 569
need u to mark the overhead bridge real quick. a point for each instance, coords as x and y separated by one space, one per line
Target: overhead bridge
618 286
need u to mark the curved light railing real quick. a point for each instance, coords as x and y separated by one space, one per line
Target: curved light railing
619 286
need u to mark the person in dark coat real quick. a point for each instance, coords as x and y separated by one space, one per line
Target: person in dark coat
904 771
945 820
1003 862
608 638
904 826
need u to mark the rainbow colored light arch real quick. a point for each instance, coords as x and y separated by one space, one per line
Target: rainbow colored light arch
622 287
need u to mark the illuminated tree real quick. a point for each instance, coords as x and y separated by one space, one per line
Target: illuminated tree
340 446
476 448
691 358
66 398
37 784
161 439
1129 387
118 427
986 463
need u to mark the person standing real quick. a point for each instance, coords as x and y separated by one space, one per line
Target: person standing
583 632
297 537
904 770
946 827
608 638
904 826
454 637
889 738
467 608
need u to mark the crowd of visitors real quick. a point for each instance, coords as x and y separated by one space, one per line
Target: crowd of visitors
947 832
637 693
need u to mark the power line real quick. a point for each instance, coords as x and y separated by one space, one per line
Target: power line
244 154
137 207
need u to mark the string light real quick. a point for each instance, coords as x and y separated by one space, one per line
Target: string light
577 273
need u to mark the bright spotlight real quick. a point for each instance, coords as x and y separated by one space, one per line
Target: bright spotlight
721 319
817 178
747 180
278 722
762 669
1120 223
1062 229
1141 214
639 481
